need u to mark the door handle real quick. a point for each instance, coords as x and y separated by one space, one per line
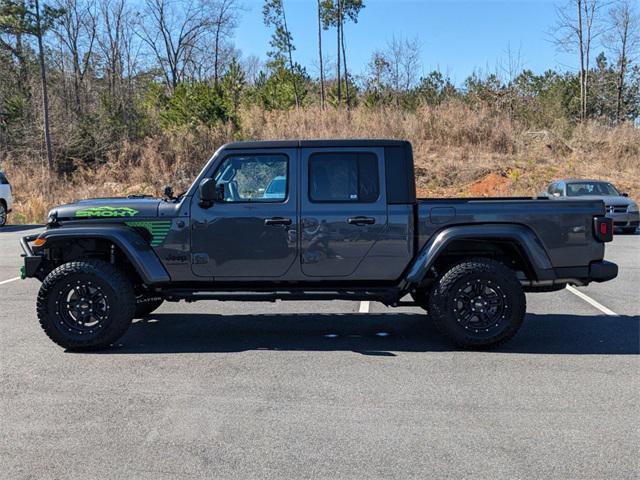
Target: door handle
277 221
361 221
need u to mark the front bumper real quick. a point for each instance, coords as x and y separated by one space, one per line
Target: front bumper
625 219
32 262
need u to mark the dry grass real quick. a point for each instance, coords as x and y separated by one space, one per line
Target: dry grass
458 150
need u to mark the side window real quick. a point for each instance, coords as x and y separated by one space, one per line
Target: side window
3 179
343 177
253 178
556 189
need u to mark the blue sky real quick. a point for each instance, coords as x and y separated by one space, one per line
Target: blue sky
457 37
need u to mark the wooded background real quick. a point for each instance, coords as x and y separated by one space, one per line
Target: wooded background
109 97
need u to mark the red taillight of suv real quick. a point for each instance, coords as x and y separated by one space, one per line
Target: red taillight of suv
603 229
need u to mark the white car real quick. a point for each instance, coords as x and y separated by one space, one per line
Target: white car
6 200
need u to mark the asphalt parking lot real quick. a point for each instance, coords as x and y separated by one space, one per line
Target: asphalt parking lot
318 390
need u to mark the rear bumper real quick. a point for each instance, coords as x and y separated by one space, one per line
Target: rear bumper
602 271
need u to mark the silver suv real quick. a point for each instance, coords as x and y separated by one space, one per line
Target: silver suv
621 209
6 200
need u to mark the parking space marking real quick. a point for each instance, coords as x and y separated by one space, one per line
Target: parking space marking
364 306
10 280
592 302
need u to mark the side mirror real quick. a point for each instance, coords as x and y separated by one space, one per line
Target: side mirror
625 194
208 192
168 192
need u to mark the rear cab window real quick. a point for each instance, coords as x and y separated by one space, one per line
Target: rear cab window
336 177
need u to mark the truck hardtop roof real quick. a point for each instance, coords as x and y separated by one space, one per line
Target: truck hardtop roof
360 142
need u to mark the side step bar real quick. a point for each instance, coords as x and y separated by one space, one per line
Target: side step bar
386 296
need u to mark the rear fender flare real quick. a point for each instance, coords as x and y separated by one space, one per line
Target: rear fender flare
519 234
141 256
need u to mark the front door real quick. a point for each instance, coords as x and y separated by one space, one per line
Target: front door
343 209
251 232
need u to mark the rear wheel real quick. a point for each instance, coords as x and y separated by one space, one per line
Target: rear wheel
86 304
478 303
3 214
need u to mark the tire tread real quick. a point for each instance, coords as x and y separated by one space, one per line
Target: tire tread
108 273
465 268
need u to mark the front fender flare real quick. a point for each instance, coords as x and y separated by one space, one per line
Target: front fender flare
521 235
142 257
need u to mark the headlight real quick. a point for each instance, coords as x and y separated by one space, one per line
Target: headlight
632 208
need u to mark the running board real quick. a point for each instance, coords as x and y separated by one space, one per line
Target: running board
386 296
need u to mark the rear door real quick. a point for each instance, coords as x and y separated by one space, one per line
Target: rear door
343 209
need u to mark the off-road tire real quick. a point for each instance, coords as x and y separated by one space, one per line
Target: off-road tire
110 292
147 303
491 290
3 214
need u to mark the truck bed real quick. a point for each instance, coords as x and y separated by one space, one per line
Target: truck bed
565 229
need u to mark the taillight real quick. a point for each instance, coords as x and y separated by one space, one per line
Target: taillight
603 228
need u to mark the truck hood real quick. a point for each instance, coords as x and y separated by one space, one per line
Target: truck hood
104 208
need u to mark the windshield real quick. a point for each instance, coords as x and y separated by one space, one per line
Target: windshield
591 188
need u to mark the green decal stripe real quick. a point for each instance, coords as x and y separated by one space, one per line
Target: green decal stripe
158 229
106 211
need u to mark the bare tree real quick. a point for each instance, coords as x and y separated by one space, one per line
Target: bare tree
623 40
118 47
76 31
396 69
403 59
173 30
251 67
577 28
225 21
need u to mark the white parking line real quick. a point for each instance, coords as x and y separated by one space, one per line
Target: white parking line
591 301
364 306
9 281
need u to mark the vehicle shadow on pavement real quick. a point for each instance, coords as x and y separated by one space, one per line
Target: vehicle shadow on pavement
372 334
18 228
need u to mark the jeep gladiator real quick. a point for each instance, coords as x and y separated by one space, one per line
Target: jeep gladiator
311 220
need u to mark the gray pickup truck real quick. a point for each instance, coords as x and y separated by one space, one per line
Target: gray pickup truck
311 220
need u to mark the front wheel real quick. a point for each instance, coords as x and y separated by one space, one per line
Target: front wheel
478 303
86 304
3 214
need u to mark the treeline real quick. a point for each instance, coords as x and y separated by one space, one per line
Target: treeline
80 78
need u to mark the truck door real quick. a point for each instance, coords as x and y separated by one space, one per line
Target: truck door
252 232
343 209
